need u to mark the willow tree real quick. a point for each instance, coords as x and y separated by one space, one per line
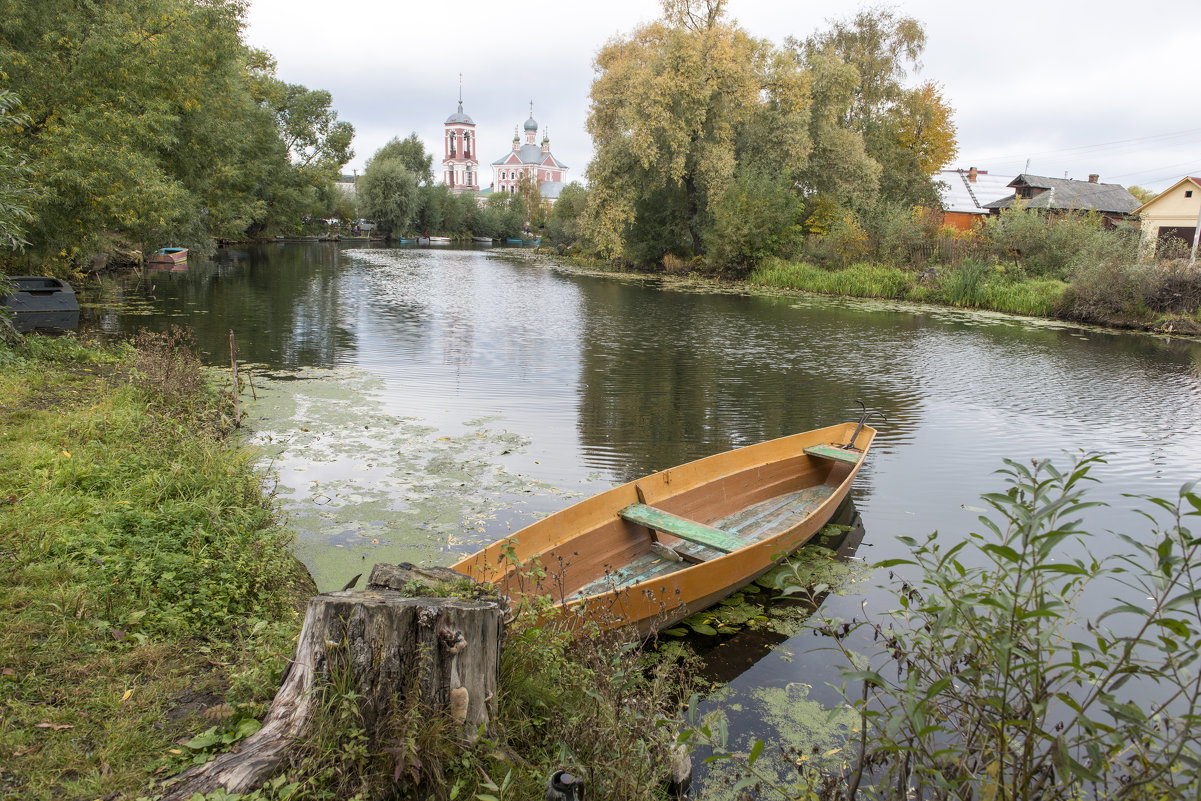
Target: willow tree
862 65
678 109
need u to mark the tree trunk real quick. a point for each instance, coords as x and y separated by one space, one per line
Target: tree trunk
385 646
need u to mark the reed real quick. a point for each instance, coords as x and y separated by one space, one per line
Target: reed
860 280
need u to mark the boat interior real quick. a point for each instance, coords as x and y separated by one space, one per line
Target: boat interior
671 521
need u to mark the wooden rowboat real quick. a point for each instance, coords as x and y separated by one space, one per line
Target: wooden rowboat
168 256
656 550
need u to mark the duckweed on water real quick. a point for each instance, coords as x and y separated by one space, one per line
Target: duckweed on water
359 485
814 570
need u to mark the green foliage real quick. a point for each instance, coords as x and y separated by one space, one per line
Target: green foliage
757 217
149 122
15 190
897 232
870 131
563 223
411 154
860 280
387 195
1050 246
144 572
1002 675
677 109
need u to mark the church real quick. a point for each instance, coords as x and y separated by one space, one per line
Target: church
461 163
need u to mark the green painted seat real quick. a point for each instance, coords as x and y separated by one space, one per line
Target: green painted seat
681 527
832 452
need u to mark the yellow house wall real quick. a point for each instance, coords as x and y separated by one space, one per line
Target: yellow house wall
1172 208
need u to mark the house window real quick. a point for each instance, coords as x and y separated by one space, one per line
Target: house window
1188 193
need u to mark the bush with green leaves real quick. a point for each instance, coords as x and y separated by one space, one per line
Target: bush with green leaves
1003 675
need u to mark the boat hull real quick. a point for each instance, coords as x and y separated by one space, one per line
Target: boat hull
39 303
168 256
599 566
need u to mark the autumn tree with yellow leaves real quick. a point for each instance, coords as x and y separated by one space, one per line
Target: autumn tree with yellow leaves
710 143
679 109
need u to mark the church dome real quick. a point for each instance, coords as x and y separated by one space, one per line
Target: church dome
531 124
459 116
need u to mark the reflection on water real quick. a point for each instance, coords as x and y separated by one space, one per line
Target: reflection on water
605 379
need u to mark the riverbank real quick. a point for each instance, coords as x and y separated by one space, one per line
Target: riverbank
1139 298
149 593
153 603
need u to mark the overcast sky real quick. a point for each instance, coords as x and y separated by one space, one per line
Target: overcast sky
1064 86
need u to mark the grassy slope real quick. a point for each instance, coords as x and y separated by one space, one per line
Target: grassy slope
146 592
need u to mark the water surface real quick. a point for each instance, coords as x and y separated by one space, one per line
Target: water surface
437 399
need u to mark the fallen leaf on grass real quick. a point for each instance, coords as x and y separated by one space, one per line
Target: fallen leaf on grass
54 726
125 695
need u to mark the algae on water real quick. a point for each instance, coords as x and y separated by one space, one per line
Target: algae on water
359 485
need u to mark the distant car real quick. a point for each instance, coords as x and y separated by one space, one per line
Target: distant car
366 225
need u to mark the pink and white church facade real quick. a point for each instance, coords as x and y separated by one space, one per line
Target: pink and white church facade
532 160
460 163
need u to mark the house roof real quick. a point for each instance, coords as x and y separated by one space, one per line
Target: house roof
1070 194
531 154
1186 179
960 194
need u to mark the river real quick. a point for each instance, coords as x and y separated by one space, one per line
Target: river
416 403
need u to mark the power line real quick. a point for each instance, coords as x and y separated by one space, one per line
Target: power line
1157 169
1098 145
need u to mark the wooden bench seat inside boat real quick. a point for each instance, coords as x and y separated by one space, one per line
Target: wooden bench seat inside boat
681 527
833 452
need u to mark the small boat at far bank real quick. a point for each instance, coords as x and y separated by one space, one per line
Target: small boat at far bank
433 240
656 550
168 256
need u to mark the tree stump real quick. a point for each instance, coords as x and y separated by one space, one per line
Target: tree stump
386 643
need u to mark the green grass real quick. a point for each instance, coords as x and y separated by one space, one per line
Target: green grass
144 580
149 613
859 280
970 286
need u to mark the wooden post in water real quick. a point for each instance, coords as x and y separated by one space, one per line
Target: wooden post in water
393 648
233 361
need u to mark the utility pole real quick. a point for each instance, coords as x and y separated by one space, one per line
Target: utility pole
1196 236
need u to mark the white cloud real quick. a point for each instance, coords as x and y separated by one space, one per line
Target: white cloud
1056 78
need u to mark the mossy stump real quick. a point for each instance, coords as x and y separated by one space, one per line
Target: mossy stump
390 646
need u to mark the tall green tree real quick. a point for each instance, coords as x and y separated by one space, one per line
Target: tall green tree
411 153
676 108
387 195
565 217
149 122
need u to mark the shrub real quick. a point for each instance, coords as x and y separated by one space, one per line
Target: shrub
900 234
990 682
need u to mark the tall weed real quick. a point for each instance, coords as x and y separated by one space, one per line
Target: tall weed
996 679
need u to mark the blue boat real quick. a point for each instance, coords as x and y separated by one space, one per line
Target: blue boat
400 240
